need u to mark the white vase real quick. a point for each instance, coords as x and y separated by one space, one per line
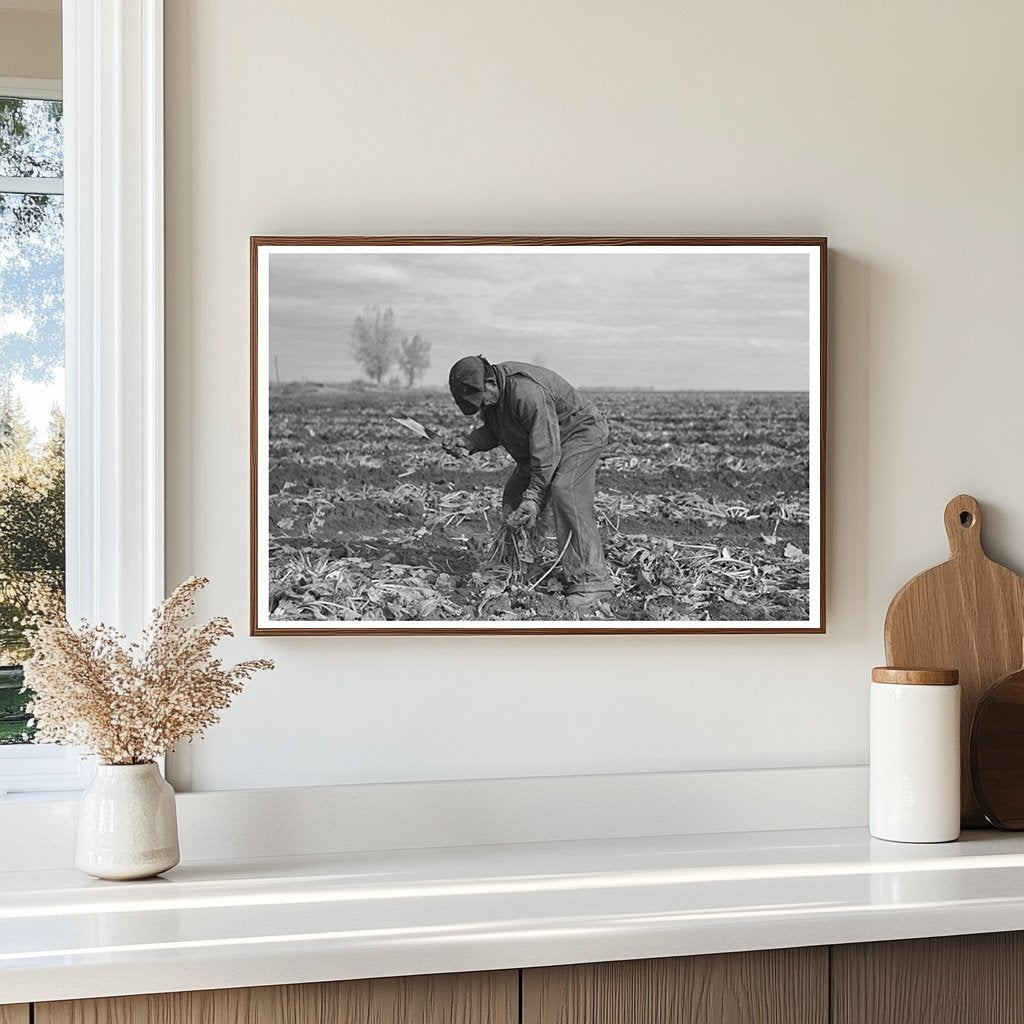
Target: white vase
127 825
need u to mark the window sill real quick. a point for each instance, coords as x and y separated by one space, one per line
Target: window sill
43 771
42 797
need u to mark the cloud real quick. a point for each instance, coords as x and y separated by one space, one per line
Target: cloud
676 319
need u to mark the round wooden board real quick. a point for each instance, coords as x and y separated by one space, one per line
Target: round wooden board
997 752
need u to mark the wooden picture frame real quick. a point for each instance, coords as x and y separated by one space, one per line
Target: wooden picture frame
313 549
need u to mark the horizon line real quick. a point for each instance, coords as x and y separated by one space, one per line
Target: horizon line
363 385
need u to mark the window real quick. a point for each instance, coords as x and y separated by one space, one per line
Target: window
32 531
31 382
113 329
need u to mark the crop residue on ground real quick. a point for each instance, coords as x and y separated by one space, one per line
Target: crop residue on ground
702 501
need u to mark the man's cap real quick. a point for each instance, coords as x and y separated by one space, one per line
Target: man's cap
466 383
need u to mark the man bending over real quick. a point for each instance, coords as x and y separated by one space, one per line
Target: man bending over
556 437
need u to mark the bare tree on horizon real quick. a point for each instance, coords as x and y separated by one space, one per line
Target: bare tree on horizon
413 358
375 341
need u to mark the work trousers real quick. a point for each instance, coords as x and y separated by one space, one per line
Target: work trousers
571 500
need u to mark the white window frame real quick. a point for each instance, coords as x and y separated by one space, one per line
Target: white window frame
32 88
114 325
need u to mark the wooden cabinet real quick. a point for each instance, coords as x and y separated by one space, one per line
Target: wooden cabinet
491 998
962 979
777 986
967 979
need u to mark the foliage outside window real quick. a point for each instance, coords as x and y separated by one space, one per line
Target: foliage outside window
31 385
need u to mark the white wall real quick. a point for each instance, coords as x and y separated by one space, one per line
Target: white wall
895 129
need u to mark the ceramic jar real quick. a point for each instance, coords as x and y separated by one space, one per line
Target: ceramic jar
127 824
915 755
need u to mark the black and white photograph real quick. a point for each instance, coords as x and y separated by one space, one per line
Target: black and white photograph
537 435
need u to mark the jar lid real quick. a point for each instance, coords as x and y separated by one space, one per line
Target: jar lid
916 676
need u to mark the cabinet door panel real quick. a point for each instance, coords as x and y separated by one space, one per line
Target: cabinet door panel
14 1014
778 986
960 979
483 998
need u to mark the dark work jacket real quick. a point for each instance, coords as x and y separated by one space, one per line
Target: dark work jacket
538 416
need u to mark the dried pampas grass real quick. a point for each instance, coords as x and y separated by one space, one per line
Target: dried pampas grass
130 703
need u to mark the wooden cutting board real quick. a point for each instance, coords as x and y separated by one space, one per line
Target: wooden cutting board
967 614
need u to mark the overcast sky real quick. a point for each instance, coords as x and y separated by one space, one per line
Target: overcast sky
664 320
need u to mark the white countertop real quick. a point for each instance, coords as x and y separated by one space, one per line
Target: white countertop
227 924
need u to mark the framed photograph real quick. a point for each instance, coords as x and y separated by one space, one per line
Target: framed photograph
537 435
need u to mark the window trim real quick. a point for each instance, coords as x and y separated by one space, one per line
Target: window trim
32 88
113 170
112 90
31 186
